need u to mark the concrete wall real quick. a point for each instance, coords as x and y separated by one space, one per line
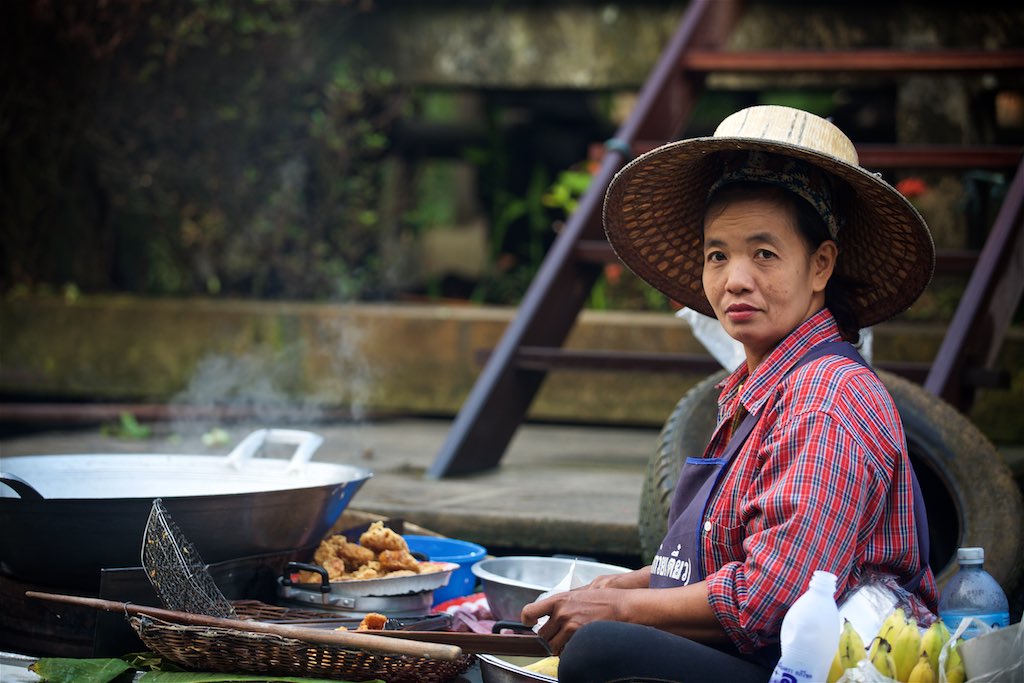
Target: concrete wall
608 45
412 359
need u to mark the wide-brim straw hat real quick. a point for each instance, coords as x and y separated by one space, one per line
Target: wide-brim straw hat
654 211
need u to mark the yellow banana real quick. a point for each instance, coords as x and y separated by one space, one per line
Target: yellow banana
851 646
836 670
946 635
932 641
922 671
850 651
893 624
953 657
882 659
906 650
955 665
956 674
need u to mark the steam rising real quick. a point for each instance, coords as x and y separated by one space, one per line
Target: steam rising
307 379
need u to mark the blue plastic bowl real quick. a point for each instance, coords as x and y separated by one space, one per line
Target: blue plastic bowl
462 553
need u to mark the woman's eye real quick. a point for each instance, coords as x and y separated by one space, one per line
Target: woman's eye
764 254
715 256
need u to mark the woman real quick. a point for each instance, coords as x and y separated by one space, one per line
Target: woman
772 227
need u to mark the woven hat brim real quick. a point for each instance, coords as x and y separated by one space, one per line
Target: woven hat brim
654 208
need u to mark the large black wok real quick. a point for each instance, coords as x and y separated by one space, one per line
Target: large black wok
63 518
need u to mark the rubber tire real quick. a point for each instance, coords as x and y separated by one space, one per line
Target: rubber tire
969 491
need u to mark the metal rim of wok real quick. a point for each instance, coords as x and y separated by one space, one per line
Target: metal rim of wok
107 476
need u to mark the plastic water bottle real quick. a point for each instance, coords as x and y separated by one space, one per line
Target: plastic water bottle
972 592
810 633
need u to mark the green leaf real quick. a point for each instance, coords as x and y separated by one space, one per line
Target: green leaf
61 670
186 677
130 427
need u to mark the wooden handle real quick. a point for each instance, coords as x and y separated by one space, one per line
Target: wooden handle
480 643
360 640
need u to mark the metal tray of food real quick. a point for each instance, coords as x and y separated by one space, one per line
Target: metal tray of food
437 574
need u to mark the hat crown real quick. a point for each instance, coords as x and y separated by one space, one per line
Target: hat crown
791 127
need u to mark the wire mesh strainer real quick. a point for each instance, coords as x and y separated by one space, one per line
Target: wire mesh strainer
176 570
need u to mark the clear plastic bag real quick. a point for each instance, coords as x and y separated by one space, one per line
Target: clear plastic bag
729 352
995 656
864 673
710 333
875 598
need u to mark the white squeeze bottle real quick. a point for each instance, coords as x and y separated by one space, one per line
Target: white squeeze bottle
810 633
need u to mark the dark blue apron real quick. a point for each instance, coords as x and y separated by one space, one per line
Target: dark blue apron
678 561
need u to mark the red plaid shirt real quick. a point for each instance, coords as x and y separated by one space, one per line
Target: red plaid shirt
823 482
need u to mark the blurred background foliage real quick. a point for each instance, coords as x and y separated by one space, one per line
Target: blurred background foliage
181 147
249 148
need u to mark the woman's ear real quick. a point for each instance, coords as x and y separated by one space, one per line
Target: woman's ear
823 263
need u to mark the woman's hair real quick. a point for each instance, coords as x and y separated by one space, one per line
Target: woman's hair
840 290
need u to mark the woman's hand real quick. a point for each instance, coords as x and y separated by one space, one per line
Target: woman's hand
574 609
570 610
639 578
684 610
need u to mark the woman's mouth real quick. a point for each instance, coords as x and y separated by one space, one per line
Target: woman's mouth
740 312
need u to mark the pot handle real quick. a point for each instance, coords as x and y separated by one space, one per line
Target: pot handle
305 444
291 567
24 489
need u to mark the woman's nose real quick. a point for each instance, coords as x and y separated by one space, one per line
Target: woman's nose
738 277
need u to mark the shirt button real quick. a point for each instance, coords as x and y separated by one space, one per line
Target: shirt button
707 526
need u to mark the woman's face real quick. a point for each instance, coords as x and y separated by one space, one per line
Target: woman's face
759 274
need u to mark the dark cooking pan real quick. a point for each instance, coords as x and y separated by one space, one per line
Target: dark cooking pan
66 517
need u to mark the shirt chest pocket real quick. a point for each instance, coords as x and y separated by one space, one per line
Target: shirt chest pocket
726 542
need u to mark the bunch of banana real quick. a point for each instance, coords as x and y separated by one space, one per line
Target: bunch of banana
932 642
905 650
899 651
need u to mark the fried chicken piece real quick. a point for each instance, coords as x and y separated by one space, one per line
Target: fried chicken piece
354 555
324 552
370 570
379 538
398 573
309 577
335 568
393 560
372 622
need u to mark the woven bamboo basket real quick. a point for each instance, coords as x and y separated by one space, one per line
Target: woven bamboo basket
203 648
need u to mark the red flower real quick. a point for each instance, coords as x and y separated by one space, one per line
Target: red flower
911 187
613 272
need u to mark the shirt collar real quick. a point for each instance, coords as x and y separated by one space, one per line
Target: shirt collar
755 388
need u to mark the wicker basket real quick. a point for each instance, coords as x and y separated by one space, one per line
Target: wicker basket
203 648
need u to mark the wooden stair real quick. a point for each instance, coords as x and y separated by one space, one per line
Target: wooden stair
531 345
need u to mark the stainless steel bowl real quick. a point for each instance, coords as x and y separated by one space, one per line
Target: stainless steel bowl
510 583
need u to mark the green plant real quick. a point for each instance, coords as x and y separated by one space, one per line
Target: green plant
127 427
567 189
218 147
